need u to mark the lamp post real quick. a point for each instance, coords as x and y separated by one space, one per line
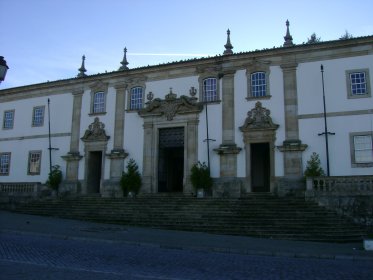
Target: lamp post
326 132
3 69
49 138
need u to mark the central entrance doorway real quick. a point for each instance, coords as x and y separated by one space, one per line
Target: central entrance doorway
171 159
260 167
94 172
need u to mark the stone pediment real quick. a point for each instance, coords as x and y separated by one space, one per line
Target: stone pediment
171 106
258 119
95 132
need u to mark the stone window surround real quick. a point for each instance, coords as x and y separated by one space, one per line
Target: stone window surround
10 156
33 116
204 76
348 83
6 111
95 88
130 97
352 149
130 86
254 68
29 160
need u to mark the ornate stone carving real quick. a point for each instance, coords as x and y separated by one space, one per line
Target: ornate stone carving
95 132
258 119
171 106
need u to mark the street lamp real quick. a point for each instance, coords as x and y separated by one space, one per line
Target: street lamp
3 68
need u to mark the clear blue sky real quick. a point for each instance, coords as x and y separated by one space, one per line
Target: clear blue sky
44 40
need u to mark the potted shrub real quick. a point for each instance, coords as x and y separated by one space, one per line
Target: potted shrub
131 179
54 178
200 178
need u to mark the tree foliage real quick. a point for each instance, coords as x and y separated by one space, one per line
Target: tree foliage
131 179
313 39
346 36
200 176
314 168
54 177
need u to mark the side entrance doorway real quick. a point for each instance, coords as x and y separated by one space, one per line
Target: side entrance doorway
260 167
171 159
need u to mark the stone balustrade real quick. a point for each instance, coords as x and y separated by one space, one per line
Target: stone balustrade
20 189
358 185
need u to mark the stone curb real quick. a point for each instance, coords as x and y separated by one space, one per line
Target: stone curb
199 248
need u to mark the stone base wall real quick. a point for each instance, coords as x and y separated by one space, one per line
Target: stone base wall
228 187
351 196
111 188
285 186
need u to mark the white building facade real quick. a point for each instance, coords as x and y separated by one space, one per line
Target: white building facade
264 112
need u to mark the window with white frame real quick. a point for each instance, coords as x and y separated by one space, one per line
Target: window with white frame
4 164
210 90
34 162
258 84
98 102
8 121
136 98
363 150
358 83
38 116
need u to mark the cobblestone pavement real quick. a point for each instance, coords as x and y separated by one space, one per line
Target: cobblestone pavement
24 256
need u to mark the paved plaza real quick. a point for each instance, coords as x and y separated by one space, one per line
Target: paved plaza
33 247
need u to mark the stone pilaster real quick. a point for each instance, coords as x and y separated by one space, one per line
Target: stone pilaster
228 150
292 146
73 156
118 154
191 146
148 159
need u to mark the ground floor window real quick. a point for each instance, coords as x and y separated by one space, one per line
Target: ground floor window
362 148
4 163
34 162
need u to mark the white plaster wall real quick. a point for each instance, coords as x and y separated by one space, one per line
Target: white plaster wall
309 85
134 138
339 144
310 101
180 86
61 111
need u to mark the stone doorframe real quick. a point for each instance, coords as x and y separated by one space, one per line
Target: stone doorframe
167 113
259 128
95 140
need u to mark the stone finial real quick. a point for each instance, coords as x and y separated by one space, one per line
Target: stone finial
82 69
288 38
124 62
228 46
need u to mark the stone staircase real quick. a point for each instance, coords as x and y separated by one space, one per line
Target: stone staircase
257 215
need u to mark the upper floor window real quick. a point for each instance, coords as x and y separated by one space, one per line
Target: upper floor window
8 119
358 83
210 90
258 84
362 149
98 102
34 162
38 116
4 164
136 98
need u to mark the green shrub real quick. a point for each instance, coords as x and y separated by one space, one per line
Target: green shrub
131 179
54 177
200 176
314 168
